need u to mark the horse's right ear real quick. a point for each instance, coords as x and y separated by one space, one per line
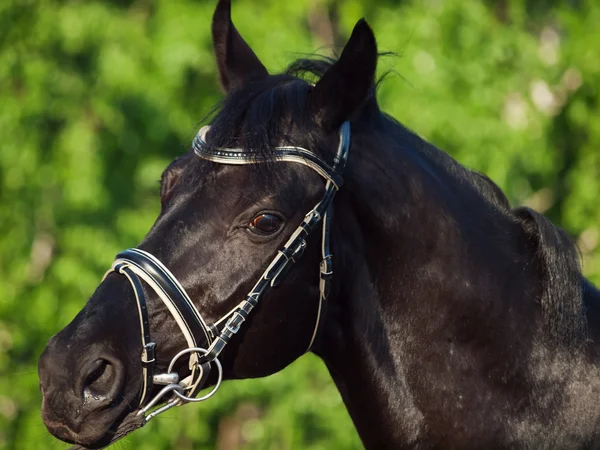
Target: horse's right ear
345 87
236 61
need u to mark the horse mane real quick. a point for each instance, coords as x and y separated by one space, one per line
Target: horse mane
263 112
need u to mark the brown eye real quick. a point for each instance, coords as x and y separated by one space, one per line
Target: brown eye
265 223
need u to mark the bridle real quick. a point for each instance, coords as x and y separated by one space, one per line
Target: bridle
138 265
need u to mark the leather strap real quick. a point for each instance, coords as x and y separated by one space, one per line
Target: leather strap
238 156
176 294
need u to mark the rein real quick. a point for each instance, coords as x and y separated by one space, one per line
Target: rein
138 265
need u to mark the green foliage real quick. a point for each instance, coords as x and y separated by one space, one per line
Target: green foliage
97 97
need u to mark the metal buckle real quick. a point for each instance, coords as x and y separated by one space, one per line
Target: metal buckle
230 326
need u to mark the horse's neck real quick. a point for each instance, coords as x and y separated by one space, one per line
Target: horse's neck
428 344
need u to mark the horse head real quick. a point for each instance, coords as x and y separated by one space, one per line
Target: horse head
238 209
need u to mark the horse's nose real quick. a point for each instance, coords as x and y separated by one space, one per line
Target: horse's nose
78 387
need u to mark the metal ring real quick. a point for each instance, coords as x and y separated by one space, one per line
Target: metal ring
219 379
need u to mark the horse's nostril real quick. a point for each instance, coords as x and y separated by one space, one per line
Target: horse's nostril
100 382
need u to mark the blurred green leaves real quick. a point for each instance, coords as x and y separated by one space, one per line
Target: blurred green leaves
97 97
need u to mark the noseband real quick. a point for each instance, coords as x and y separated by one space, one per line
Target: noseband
138 265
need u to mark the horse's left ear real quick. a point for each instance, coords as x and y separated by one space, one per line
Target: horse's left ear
236 61
344 88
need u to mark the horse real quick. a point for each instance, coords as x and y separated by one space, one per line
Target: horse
306 219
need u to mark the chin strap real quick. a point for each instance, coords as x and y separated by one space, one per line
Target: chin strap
138 265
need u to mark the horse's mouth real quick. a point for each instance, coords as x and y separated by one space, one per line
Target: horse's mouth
117 431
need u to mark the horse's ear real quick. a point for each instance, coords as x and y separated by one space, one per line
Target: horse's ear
236 61
344 88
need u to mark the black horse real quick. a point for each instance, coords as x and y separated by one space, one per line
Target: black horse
447 318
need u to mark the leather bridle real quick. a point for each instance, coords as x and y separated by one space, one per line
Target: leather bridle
138 265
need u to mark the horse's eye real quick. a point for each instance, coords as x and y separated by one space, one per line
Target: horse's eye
265 223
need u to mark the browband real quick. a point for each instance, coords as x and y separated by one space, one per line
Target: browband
239 156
